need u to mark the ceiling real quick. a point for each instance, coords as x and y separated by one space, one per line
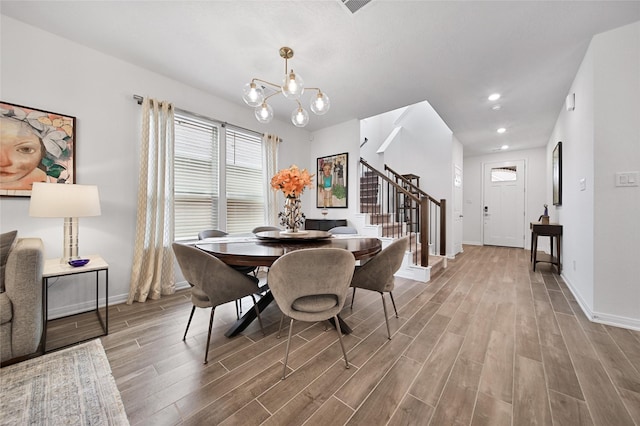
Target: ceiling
387 55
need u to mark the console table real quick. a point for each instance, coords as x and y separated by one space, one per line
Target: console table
551 230
323 224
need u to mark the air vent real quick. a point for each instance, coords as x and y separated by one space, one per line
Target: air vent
355 5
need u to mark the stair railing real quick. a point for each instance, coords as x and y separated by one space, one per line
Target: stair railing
383 198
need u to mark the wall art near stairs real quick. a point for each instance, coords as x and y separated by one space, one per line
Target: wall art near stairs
332 178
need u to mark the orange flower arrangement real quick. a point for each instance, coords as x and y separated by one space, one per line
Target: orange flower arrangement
292 181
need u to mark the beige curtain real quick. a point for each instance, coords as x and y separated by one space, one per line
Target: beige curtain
152 271
270 144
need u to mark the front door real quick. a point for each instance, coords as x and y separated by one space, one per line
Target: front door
503 208
457 209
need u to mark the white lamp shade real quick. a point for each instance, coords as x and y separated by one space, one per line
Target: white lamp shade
64 200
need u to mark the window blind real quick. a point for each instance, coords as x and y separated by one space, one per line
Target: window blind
244 189
196 169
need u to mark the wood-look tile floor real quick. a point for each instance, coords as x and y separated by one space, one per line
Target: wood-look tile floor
486 342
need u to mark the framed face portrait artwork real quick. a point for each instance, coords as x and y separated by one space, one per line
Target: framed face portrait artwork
332 187
35 146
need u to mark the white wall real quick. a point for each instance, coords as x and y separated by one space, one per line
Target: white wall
575 129
344 137
617 149
602 137
535 198
65 77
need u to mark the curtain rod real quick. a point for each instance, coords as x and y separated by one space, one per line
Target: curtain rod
139 99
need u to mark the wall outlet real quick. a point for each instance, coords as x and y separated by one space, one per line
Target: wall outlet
574 265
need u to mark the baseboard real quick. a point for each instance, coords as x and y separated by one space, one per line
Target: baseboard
414 272
91 305
472 243
599 317
616 321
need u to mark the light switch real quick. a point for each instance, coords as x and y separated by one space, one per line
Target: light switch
582 184
627 179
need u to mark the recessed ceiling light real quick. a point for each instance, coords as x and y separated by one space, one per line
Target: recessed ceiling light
494 96
501 130
503 147
496 107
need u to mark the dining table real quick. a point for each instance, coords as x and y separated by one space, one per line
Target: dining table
264 248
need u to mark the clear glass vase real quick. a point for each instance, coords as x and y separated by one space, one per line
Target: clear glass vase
292 214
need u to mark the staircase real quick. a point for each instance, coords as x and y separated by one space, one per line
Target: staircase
390 208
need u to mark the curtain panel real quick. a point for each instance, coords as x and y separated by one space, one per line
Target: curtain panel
270 144
152 273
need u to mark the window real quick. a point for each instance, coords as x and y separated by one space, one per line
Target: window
196 170
504 174
244 189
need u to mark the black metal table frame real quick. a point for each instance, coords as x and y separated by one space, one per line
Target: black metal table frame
45 306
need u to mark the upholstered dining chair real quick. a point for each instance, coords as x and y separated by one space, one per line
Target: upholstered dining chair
311 285
216 233
343 230
213 282
211 233
265 228
377 274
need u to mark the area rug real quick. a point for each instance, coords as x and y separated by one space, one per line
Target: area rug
73 386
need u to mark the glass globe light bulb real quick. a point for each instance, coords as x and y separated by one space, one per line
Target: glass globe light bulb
292 86
252 95
320 104
299 117
264 113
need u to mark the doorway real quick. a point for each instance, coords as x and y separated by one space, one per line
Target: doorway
503 207
457 209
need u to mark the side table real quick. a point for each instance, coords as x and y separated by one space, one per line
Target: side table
551 230
53 268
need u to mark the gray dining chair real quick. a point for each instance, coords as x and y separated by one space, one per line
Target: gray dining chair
343 230
211 233
213 282
378 274
265 228
311 285
217 233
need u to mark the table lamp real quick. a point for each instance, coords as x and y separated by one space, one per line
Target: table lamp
69 201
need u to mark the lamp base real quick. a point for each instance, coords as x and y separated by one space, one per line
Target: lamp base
70 241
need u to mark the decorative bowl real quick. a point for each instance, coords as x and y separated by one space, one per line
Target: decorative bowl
78 262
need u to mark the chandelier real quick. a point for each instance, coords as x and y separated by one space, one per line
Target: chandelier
292 88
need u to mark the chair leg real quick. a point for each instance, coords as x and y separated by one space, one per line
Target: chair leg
238 308
280 328
353 296
394 304
255 306
193 309
346 361
206 354
386 319
286 355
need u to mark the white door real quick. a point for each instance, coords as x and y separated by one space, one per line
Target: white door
457 209
503 208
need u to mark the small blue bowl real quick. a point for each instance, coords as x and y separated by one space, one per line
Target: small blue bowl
78 262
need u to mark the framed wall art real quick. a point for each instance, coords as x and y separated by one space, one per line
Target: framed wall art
557 174
332 181
37 146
